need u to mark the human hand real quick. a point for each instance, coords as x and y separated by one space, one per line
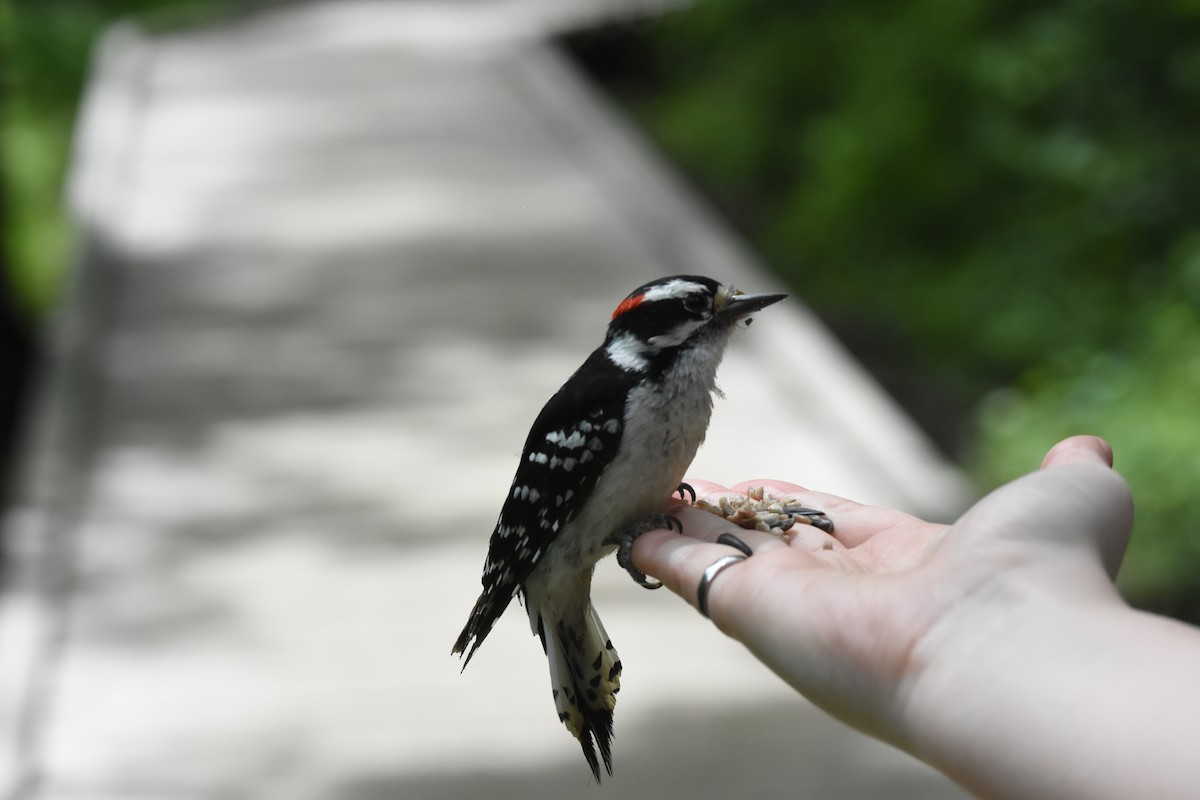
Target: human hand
866 623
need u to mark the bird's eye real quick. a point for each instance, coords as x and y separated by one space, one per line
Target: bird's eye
697 304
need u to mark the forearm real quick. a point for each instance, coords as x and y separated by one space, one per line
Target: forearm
1063 701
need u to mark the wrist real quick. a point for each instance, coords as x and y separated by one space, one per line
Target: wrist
1058 697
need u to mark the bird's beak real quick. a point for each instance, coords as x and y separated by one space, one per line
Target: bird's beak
742 305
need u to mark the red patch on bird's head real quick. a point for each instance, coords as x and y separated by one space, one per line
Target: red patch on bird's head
629 302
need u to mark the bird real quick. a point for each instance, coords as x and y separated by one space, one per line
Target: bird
601 460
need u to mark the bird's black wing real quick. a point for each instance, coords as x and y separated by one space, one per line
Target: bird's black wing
571 443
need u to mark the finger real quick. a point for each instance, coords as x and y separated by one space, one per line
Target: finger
654 552
1104 493
1074 505
663 554
854 523
1095 503
707 526
1079 450
671 558
680 562
773 487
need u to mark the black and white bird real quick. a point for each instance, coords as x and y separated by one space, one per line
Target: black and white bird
602 458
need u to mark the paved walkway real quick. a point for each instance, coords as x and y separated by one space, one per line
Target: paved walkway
338 255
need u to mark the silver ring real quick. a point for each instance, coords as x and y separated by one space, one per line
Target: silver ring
710 575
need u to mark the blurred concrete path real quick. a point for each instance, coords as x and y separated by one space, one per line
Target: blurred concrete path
337 255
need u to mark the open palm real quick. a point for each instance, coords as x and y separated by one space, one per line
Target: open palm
861 620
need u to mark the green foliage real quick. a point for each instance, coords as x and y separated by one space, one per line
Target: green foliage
1005 193
1143 398
37 235
45 51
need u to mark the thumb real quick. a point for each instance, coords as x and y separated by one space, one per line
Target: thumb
1101 494
1079 450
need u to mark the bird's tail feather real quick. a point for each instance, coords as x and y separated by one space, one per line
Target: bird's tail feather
585 676
487 610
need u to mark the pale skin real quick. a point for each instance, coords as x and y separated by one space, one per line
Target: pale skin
996 649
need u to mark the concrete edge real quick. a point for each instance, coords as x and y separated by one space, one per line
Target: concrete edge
57 449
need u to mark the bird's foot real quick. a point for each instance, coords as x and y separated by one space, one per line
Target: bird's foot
624 541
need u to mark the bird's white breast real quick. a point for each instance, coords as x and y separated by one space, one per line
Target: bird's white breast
665 423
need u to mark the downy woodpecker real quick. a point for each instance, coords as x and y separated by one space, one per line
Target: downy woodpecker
602 458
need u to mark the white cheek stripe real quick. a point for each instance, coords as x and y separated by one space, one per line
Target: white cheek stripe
626 352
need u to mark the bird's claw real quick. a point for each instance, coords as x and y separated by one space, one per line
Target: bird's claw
624 541
686 488
729 540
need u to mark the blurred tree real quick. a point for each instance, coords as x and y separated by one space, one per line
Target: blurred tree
975 194
45 49
16 341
